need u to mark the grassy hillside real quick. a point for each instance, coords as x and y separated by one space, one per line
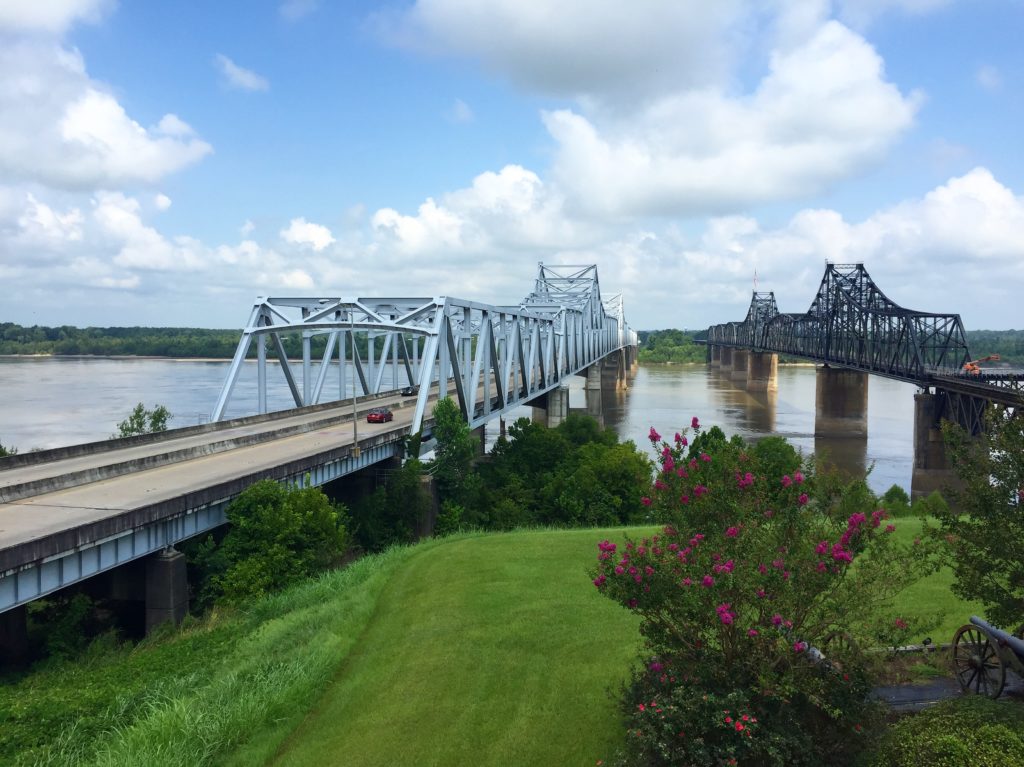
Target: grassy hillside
490 651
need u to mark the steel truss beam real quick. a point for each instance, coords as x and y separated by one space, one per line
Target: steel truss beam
495 357
852 324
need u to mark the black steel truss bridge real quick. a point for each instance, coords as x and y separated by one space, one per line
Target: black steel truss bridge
852 324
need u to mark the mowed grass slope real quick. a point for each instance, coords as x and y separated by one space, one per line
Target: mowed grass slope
484 651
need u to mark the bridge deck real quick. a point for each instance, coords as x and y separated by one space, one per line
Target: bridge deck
48 523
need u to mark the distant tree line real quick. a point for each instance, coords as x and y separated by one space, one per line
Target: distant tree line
145 342
669 345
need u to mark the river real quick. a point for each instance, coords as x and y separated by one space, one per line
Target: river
55 401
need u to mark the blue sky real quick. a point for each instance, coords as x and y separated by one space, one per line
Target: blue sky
163 164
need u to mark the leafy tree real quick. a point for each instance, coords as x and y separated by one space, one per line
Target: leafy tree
391 515
455 450
5 451
143 421
984 527
278 535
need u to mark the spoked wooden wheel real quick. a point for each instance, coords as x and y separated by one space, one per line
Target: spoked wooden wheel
976 662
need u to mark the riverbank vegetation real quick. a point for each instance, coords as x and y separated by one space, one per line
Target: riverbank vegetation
490 646
656 346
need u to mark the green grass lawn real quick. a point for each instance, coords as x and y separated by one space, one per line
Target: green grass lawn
478 649
487 651
932 595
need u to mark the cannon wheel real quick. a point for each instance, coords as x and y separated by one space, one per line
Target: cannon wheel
976 662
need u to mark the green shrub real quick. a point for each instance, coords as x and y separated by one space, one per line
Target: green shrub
896 501
971 731
279 534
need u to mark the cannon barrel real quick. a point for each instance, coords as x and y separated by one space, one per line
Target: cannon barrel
1002 637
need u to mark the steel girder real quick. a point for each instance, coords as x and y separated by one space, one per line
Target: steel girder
851 323
495 357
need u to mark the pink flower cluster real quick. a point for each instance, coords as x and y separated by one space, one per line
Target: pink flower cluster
725 614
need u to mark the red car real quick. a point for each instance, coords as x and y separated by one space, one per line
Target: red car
379 415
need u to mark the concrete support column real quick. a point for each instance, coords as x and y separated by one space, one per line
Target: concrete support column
429 520
739 365
13 637
166 588
555 408
841 406
762 371
595 406
594 375
725 362
479 434
716 356
931 465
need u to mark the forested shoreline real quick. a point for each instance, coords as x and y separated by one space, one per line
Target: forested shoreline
656 346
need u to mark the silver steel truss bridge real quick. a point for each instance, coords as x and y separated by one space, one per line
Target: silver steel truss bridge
852 324
493 358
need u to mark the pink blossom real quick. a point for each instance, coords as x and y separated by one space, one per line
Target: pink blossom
631 604
890 528
668 465
821 567
751 632
681 473
684 499
678 438
799 646
707 581
776 620
761 593
687 581
653 435
659 485
802 500
821 548
699 490
705 457
696 539
649 570
694 423
798 477
787 480
762 569
645 501
619 570
599 580
732 532
900 623
684 442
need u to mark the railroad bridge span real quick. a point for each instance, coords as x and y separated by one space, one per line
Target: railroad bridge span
853 330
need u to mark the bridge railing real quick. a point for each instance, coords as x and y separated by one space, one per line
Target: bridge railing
494 357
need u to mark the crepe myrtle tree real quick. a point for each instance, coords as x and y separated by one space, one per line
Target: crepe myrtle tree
754 597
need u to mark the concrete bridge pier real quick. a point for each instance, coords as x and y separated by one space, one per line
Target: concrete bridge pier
595 405
841 403
739 365
725 363
595 377
479 435
13 637
931 464
716 356
552 408
762 371
166 588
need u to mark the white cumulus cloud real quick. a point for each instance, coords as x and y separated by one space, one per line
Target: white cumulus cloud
239 77
303 232
65 130
53 16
